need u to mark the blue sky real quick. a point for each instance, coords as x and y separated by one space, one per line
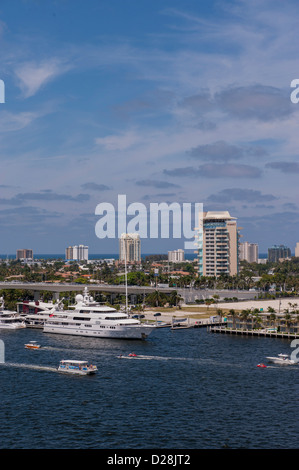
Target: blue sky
163 101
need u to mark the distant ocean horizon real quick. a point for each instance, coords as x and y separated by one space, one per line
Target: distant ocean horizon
188 256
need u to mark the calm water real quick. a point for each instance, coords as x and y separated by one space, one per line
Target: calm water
188 389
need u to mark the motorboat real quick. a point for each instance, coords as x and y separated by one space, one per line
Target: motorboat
90 318
77 367
32 345
180 324
129 356
10 320
282 359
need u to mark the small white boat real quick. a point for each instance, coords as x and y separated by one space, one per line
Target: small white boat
32 345
77 367
282 359
10 320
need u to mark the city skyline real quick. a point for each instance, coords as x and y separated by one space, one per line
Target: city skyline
186 103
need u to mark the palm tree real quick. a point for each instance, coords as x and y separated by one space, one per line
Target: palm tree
257 320
245 314
208 302
156 299
272 319
220 313
234 314
288 320
175 299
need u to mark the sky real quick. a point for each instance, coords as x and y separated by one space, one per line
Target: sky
161 101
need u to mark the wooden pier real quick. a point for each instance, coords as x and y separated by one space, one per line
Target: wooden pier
270 334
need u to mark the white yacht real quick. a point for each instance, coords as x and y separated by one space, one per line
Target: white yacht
89 318
282 359
9 320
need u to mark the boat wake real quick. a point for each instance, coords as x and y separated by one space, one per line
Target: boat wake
52 348
200 361
157 358
29 366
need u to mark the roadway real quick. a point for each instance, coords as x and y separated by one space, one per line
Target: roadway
188 294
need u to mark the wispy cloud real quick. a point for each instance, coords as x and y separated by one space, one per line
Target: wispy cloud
216 171
119 142
45 196
95 187
239 194
284 167
156 184
31 76
260 102
223 152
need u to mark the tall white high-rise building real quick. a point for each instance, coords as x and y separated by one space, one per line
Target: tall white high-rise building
130 248
176 256
297 250
249 252
218 244
77 253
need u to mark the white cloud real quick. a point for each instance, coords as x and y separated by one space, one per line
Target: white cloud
119 142
16 121
31 76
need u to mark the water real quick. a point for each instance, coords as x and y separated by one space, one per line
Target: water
61 256
187 389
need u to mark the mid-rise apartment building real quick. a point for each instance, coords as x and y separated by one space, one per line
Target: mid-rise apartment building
277 252
77 253
24 254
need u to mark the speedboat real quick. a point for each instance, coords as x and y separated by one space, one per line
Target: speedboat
77 367
129 356
282 359
32 345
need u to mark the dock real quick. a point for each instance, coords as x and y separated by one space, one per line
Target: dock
205 323
270 334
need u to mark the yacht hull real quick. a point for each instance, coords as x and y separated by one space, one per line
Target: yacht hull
117 332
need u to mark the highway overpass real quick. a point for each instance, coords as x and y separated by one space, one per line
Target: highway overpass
188 294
